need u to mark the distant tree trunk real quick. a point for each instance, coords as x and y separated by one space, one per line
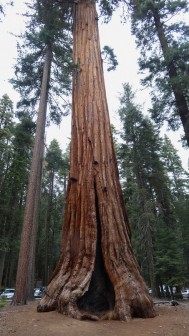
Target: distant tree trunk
47 225
180 98
2 262
97 271
20 296
148 242
9 272
31 266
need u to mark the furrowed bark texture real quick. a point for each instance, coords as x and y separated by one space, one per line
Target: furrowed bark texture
97 271
29 231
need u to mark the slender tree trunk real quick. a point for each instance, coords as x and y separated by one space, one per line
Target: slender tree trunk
20 296
180 99
9 272
31 266
2 262
47 226
97 271
148 243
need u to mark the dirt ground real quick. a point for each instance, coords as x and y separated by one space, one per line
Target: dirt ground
25 321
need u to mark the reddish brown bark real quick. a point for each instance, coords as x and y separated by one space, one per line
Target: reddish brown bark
29 231
97 271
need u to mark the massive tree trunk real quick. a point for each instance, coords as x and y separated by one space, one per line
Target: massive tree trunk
97 271
32 201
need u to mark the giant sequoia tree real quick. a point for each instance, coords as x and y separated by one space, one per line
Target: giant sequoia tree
97 270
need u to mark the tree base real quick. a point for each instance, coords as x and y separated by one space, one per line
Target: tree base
125 312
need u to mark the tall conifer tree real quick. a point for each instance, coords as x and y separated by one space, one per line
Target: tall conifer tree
163 39
48 35
150 199
97 270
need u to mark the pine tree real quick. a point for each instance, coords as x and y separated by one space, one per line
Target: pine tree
6 135
13 190
162 39
6 126
180 188
55 174
54 161
147 190
172 161
46 32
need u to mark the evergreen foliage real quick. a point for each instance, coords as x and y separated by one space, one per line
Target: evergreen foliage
107 8
163 41
6 125
55 174
48 28
16 144
180 189
109 58
2 7
40 77
150 197
16 151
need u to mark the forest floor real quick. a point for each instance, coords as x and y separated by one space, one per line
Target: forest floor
25 321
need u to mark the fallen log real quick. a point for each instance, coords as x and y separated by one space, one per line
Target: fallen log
172 302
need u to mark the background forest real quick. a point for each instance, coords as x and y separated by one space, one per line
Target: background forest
154 183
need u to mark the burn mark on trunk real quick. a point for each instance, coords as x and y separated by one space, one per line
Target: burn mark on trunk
100 296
